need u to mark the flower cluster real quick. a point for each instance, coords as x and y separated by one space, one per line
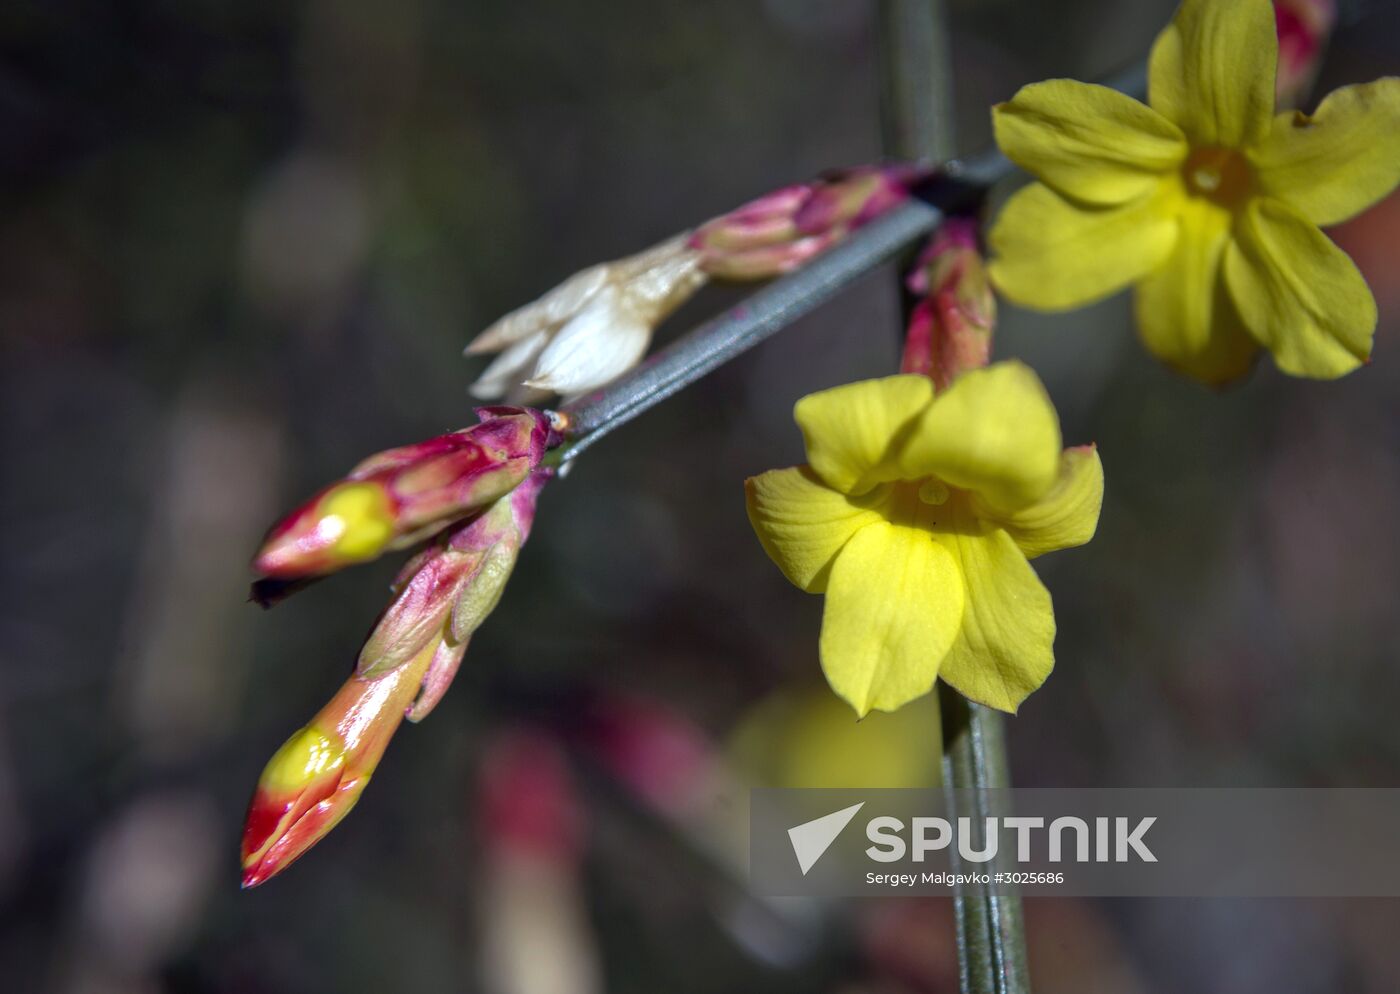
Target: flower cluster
472 495
926 494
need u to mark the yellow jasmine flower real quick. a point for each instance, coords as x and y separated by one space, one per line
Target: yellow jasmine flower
1205 200
806 738
916 515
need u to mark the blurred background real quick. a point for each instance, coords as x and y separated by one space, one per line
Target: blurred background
242 245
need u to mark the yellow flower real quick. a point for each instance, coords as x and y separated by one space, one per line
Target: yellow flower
916 516
806 738
1205 200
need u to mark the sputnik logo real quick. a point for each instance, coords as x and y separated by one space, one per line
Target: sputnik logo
812 838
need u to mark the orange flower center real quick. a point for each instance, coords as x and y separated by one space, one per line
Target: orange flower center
1218 174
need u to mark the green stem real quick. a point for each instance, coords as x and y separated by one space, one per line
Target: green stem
917 118
991 929
916 81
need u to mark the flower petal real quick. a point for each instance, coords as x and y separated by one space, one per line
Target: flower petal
1334 164
1005 645
994 431
510 368
1299 294
1088 142
596 346
1054 255
851 430
1065 517
1212 71
1184 314
543 314
803 523
892 611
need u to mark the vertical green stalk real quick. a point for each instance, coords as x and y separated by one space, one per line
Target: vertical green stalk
916 91
991 930
916 81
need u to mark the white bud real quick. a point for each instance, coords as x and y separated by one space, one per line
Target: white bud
599 344
510 367
591 328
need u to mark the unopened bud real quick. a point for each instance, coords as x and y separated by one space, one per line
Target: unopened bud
313 781
528 801
1303 29
445 593
782 230
950 329
403 495
846 200
591 328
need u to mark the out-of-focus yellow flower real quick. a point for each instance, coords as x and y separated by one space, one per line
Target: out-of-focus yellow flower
1205 200
916 516
806 738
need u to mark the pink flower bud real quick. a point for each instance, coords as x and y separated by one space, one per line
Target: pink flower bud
769 220
1303 29
403 495
441 597
950 329
447 591
782 230
528 800
535 933
654 749
846 200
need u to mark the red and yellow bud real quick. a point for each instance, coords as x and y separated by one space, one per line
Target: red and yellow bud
402 495
317 776
950 329
441 597
782 230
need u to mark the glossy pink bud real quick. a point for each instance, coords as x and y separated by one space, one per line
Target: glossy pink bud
401 496
782 230
1303 29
